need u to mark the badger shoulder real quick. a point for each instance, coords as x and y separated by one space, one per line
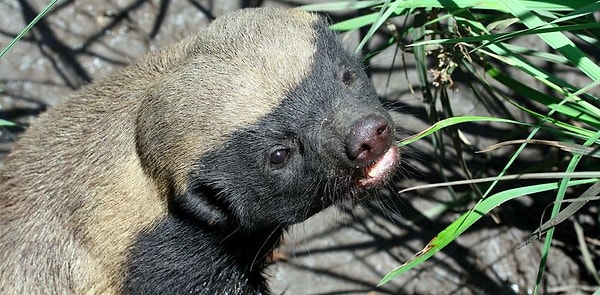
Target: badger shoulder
73 191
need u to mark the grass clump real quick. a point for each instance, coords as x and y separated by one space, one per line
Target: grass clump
477 39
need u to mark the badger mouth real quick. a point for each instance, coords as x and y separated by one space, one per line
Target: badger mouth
380 170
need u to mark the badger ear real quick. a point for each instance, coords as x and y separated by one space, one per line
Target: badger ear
201 205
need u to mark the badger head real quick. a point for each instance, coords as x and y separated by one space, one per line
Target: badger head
265 121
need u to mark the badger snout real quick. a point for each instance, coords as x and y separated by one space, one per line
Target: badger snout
368 140
369 147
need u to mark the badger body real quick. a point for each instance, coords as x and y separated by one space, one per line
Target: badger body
180 173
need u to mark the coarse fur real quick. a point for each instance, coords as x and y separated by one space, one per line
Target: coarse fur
180 173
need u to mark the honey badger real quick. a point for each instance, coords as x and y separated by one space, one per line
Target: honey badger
180 173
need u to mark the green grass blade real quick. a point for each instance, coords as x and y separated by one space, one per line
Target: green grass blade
497 5
556 40
342 5
453 121
28 27
355 23
577 13
562 190
384 14
401 6
546 56
494 38
575 204
6 123
459 226
589 115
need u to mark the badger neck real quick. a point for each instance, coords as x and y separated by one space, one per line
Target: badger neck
253 250
181 256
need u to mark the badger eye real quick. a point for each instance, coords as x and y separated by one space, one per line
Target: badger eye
279 155
347 77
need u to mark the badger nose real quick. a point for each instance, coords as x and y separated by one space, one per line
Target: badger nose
369 139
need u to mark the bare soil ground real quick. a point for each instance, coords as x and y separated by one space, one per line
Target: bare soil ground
342 250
